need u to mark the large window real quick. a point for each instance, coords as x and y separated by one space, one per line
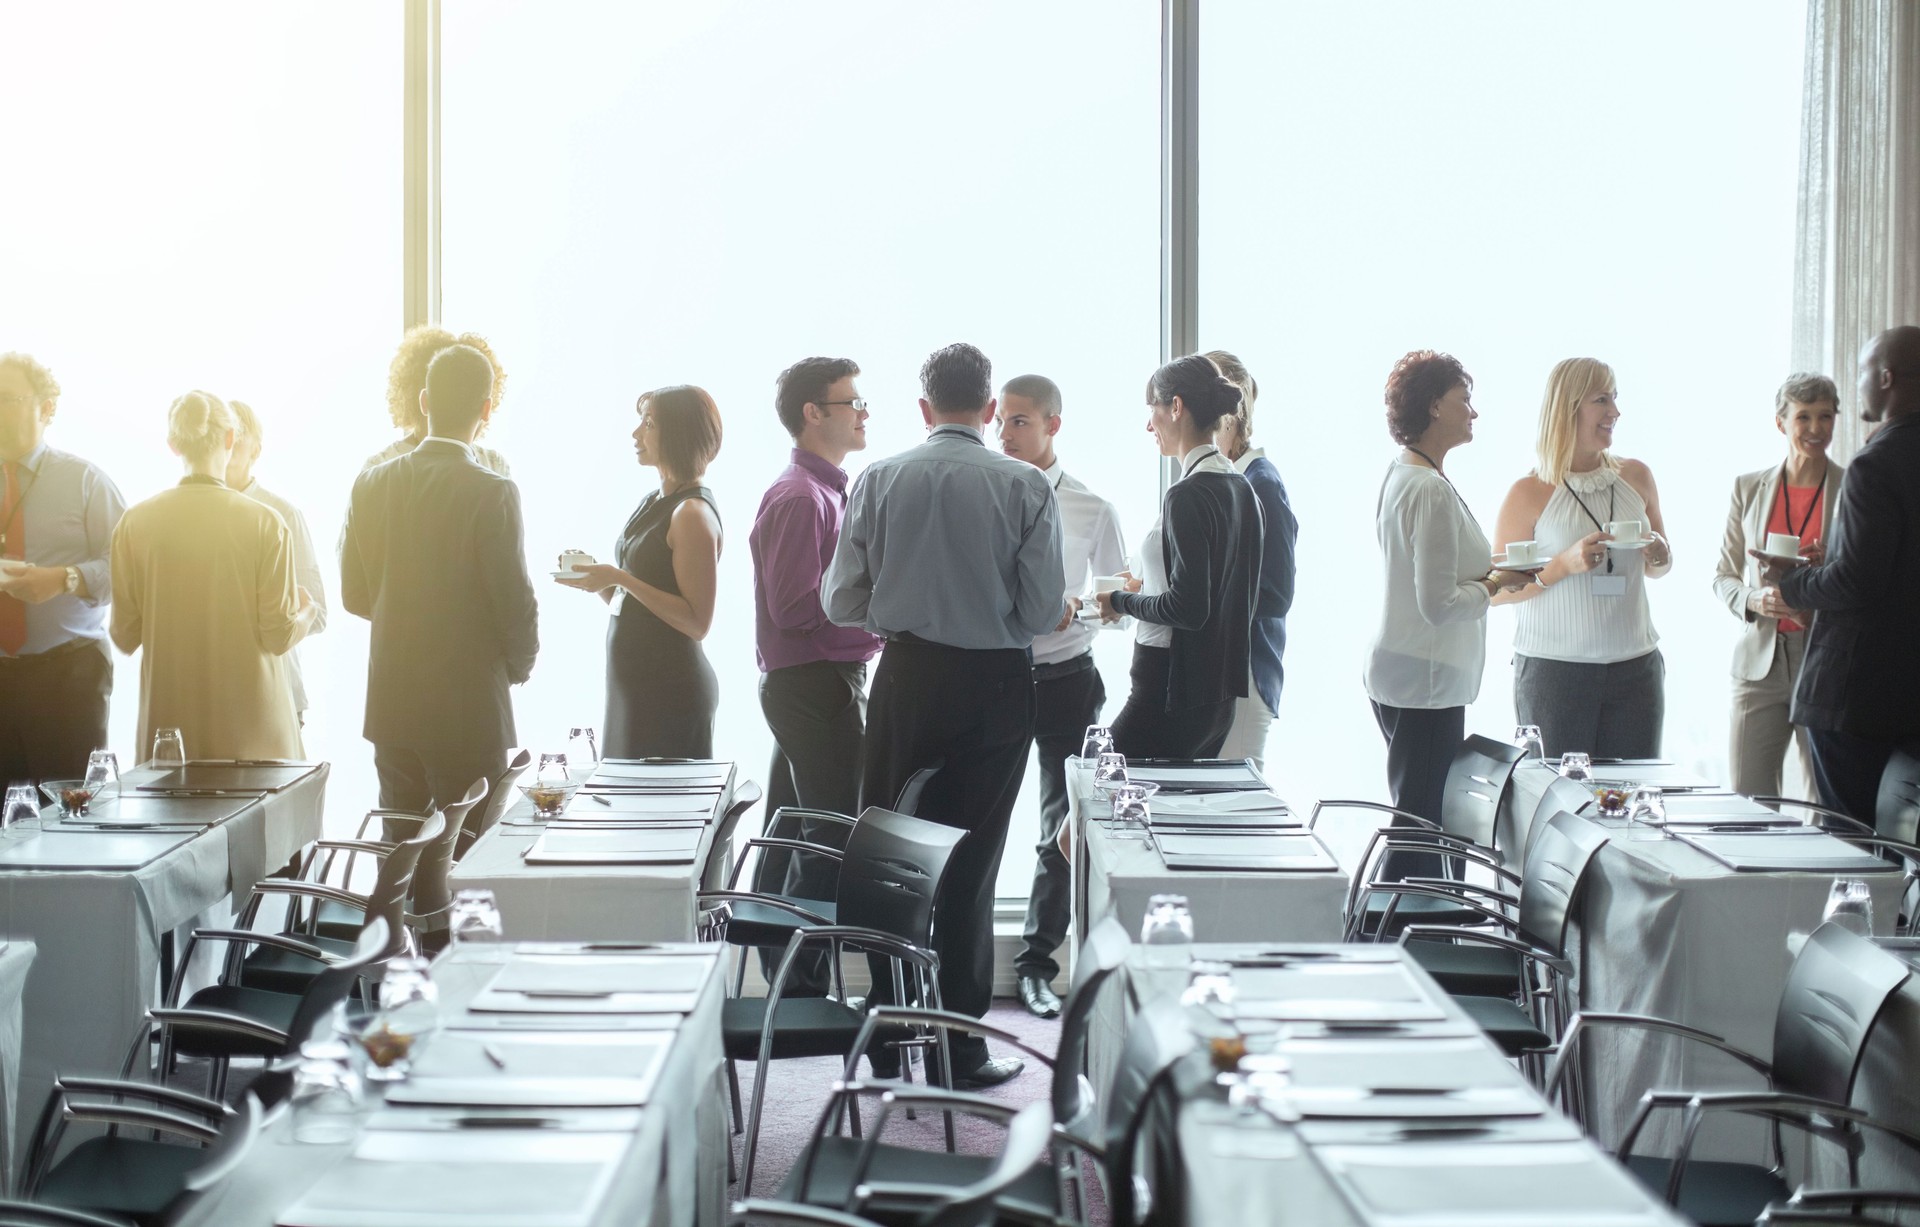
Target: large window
208 196
657 193
1513 183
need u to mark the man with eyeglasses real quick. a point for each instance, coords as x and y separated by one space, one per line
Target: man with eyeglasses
1067 689
813 685
952 552
57 516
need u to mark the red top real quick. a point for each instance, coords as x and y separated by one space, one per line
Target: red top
1797 506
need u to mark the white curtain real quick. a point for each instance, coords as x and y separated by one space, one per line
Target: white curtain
1857 270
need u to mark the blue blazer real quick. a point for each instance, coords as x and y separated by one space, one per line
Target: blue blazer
1276 580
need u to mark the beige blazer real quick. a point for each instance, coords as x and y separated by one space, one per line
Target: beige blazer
1737 576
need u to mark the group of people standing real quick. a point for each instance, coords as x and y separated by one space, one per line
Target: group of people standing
1587 669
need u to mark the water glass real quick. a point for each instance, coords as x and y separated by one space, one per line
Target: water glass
327 1094
1109 771
1097 741
103 774
552 770
1167 931
1647 804
1576 765
1850 905
475 917
1130 810
1532 747
169 749
23 810
1210 987
582 745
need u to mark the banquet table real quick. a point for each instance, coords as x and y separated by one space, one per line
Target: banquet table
662 1163
1666 930
1115 875
1368 1141
586 902
16 960
97 905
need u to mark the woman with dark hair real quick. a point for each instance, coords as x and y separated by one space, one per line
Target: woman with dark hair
1427 659
661 692
1200 578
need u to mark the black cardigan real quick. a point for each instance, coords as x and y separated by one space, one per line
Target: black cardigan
1211 538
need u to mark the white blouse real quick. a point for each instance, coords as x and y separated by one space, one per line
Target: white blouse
1153 560
1432 645
1569 621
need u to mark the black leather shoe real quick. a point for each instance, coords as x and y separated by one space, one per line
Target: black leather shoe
1039 998
992 1072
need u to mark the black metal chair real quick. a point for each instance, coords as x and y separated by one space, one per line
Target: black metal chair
500 794
1841 1208
228 1021
1834 996
1562 796
429 897
714 871
889 879
1514 985
834 1163
30 1214
1029 1133
135 1179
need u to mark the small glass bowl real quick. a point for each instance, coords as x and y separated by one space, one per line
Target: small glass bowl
72 796
550 800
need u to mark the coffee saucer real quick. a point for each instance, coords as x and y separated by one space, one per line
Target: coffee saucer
1523 568
569 575
1641 544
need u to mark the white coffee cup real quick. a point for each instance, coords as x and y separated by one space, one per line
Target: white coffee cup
1108 583
1522 553
573 560
1783 545
1625 531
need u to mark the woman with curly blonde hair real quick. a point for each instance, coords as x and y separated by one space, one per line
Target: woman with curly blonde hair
407 380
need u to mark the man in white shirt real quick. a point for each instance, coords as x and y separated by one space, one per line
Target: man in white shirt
1067 690
306 568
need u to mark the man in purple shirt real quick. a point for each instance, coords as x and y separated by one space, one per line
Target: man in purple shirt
814 673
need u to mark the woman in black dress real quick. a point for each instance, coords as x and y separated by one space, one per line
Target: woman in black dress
661 693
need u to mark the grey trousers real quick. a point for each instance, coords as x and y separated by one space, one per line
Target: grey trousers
1761 730
1609 711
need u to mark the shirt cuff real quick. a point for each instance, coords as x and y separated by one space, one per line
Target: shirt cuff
97 577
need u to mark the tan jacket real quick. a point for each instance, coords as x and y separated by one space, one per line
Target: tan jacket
1738 575
203 589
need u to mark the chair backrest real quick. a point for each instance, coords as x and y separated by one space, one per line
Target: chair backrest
1557 860
331 986
1896 812
1029 1134
1477 781
230 1149
1839 983
713 874
499 796
790 822
908 802
429 894
394 883
1159 1036
892 871
1561 796
28 1214
1105 950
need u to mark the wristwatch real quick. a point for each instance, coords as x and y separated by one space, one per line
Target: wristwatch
73 579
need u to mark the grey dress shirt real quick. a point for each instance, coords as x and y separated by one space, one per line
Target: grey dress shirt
952 542
68 510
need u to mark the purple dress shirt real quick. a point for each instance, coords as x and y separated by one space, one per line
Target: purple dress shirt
793 539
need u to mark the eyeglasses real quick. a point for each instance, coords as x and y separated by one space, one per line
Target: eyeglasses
859 404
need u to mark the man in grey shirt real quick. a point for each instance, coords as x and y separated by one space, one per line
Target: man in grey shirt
951 552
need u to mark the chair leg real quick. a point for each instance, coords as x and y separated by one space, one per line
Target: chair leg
753 1123
733 1093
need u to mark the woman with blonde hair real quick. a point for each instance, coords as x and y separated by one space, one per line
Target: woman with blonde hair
1587 668
203 588
407 382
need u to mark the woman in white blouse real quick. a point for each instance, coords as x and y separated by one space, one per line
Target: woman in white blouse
1586 667
1427 659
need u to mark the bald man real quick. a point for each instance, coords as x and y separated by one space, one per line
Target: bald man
1859 690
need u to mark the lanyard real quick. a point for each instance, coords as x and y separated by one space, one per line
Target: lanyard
1199 460
1613 488
1443 477
1819 490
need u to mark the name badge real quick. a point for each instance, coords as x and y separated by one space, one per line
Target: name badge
1609 585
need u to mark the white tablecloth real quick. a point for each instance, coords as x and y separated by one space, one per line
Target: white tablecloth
98 932
672 1172
581 902
16 959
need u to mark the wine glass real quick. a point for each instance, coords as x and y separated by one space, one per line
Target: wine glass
1577 765
1532 747
1110 771
1850 905
1097 741
23 810
474 917
326 1094
582 746
103 774
1167 931
169 750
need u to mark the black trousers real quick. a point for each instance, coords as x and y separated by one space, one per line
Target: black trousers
1146 729
1067 698
421 781
1421 743
818 715
973 713
1847 771
53 711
